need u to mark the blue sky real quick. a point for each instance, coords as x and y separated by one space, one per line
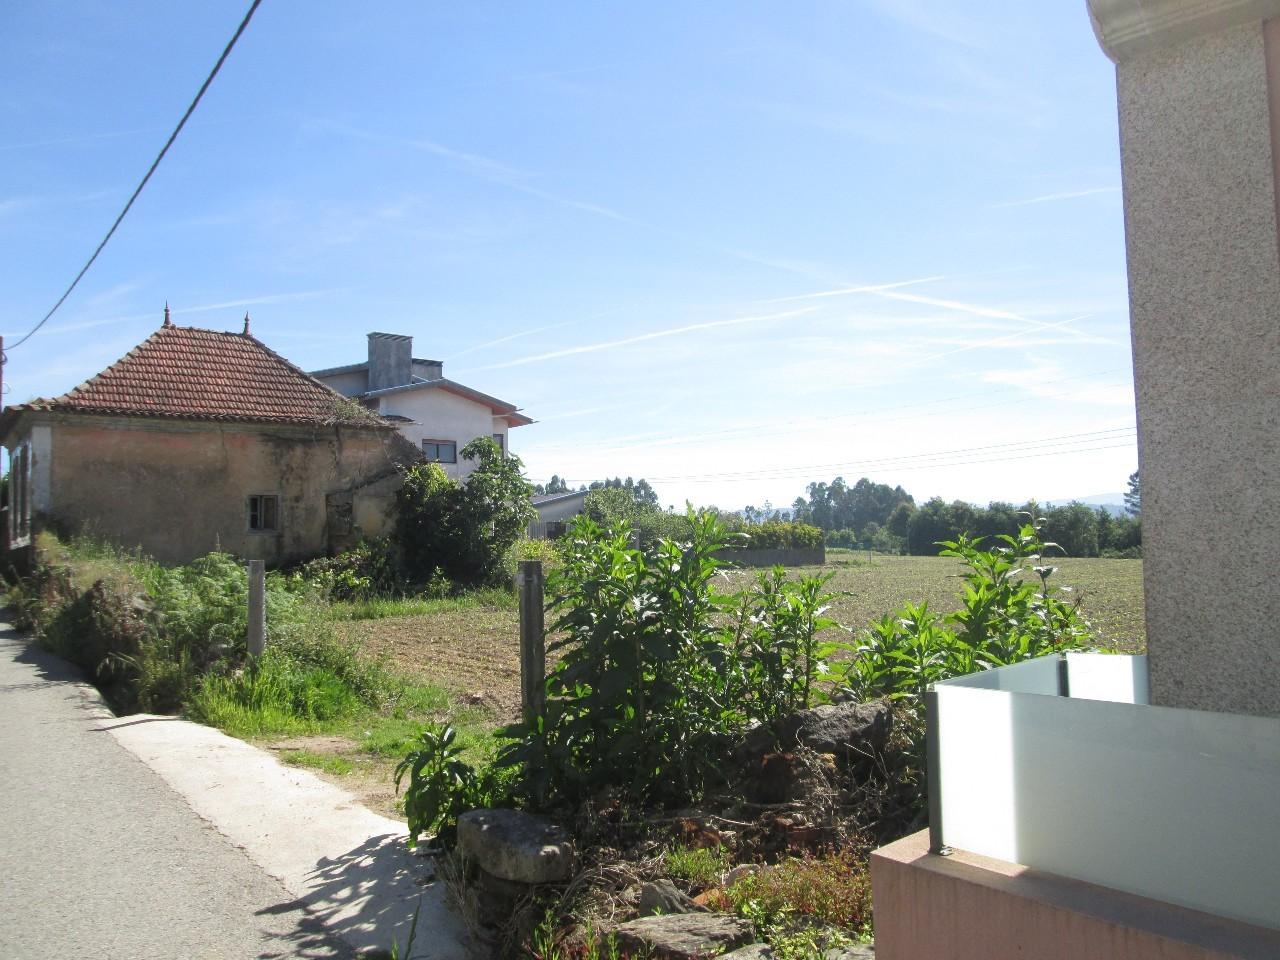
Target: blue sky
731 247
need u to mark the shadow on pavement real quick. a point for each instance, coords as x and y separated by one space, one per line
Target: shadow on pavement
368 895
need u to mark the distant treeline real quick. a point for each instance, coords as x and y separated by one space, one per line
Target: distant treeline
879 517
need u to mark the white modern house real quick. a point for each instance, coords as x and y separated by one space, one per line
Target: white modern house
439 416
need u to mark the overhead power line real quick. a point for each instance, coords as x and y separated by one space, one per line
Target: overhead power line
155 163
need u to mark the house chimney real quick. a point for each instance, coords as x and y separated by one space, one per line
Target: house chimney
390 360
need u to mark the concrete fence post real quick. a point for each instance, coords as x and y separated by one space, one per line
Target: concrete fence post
533 654
257 608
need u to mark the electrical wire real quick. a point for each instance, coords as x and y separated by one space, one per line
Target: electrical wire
168 143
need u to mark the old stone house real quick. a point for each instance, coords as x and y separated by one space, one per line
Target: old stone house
437 415
198 440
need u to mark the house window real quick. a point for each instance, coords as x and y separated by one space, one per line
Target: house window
264 513
501 441
440 451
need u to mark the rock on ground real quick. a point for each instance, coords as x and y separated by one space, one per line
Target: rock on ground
661 896
514 845
849 731
757 951
685 936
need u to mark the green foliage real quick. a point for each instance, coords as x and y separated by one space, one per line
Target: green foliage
802 894
380 608
368 571
782 535
774 639
1010 612
638 700
527 548
442 786
1133 495
303 684
700 867
837 506
654 681
328 762
611 506
463 531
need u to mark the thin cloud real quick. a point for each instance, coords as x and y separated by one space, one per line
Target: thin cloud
997 341
508 337
846 291
1051 197
641 338
484 168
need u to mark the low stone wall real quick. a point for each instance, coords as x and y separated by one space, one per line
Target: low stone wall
784 557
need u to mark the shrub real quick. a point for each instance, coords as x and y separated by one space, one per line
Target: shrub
774 637
368 571
462 531
638 700
783 534
653 684
1010 612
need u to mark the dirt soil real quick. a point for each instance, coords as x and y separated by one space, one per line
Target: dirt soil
474 654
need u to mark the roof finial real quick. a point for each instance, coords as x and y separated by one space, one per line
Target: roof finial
246 323
167 321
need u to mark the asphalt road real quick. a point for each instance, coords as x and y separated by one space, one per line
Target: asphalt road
99 858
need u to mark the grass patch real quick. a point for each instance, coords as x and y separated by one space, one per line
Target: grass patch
381 608
700 868
328 762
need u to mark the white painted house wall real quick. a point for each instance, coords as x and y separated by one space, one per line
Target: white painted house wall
430 407
437 414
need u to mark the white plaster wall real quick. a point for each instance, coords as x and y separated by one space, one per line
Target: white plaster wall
440 415
1204 282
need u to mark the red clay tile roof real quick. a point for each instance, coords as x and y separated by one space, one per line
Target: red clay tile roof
193 374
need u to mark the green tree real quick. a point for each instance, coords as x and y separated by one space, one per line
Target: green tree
1133 496
463 531
554 485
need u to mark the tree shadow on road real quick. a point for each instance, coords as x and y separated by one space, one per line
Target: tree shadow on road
368 896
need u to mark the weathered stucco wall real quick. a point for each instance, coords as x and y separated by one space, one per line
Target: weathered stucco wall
1204 282
178 490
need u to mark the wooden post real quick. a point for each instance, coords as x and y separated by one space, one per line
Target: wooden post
257 608
533 654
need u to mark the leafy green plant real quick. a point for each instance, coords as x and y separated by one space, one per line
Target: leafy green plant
700 867
442 786
638 701
774 636
1010 612
654 681
462 531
